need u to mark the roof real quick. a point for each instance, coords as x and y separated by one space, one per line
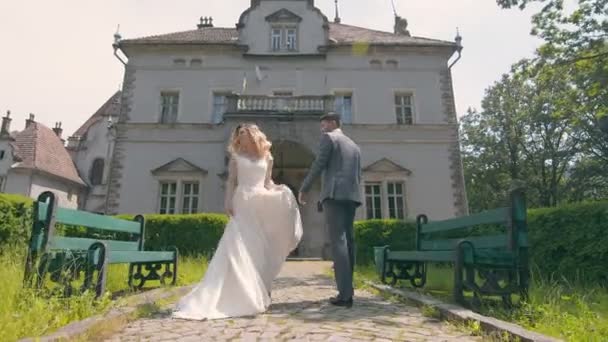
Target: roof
110 108
39 148
339 34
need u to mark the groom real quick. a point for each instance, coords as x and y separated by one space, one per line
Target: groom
339 163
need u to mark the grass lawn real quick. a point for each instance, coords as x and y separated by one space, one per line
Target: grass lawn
571 310
24 313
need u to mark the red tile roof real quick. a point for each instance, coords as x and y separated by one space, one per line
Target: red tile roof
339 34
110 108
39 148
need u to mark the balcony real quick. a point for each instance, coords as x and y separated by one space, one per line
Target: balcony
282 106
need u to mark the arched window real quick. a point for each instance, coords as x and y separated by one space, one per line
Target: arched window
96 176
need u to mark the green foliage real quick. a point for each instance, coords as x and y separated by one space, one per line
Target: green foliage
15 219
572 310
29 313
571 240
372 233
568 242
192 234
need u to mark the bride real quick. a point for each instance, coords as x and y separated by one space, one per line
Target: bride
264 227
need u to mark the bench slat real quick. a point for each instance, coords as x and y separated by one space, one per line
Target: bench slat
499 215
121 257
90 220
483 257
480 242
61 242
421 256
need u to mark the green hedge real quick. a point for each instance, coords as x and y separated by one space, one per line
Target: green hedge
368 234
15 219
191 234
569 241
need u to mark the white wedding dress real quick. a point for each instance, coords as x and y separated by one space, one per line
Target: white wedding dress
265 228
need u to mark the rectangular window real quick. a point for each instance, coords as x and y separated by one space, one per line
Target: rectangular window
343 105
190 195
291 39
220 105
404 109
275 39
396 200
1 154
169 107
168 197
373 201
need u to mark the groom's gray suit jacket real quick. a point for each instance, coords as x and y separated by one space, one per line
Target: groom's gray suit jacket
339 163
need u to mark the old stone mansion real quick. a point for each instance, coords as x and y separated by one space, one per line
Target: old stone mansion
159 145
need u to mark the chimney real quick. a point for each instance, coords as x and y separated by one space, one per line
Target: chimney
29 121
6 124
58 130
205 22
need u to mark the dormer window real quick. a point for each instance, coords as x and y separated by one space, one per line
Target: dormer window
284 38
283 30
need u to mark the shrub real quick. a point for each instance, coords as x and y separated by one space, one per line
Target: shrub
571 240
372 233
15 219
192 234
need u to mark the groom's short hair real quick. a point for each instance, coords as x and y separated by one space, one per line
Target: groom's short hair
331 116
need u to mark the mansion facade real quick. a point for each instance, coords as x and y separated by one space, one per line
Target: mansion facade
159 146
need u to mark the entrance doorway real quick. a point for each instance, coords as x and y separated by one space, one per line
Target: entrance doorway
291 163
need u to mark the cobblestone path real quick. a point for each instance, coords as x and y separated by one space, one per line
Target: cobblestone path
300 312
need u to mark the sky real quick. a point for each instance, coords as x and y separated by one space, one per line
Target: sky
56 58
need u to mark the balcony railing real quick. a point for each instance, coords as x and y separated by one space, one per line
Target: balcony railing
259 104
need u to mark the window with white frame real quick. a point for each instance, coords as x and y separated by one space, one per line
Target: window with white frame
385 200
220 105
284 38
404 109
179 196
396 200
343 105
190 195
373 200
169 106
168 197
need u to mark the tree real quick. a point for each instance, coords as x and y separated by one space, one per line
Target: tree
524 131
569 35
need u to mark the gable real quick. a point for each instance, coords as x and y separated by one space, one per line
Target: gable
283 15
386 165
178 165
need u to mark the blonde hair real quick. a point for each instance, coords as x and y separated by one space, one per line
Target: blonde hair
261 143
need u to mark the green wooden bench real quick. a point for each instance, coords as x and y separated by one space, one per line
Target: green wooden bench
497 257
64 256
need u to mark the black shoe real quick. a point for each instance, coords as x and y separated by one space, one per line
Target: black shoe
348 303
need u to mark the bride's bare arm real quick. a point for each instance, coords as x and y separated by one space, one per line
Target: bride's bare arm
269 183
231 184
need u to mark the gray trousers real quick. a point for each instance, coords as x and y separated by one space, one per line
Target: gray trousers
340 217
